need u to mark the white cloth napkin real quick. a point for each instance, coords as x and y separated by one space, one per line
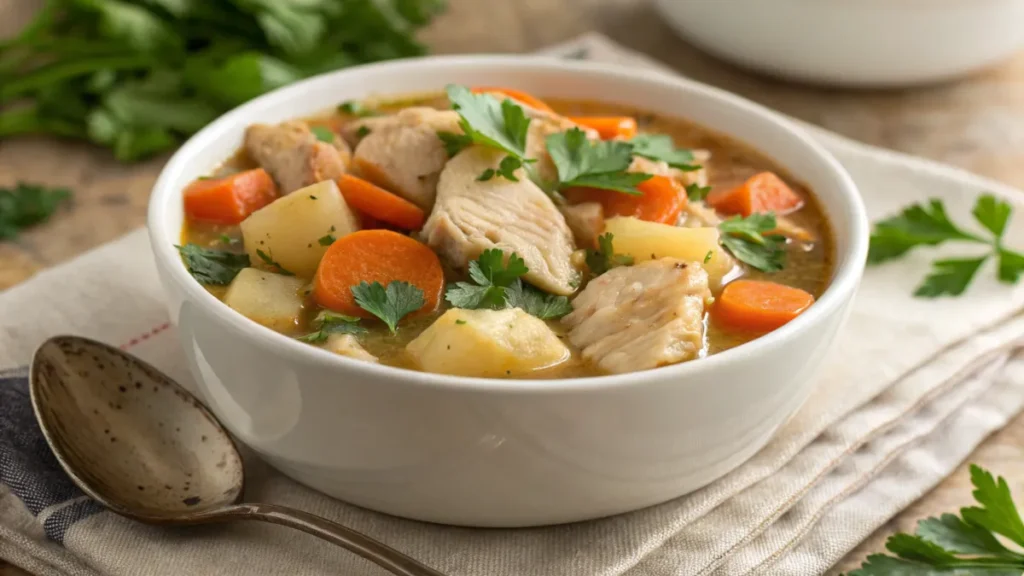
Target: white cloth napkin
910 389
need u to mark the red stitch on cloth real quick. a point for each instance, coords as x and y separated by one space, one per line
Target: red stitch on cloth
143 337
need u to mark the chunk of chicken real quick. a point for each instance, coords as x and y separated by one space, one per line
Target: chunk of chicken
586 221
404 154
472 216
699 215
487 344
348 345
440 120
641 317
294 156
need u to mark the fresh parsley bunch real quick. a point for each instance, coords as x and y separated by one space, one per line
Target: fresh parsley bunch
139 76
929 225
25 205
962 545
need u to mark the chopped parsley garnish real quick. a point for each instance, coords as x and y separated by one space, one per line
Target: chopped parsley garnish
362 132
697 193
454 143
274 265
488 121
659 147
327 323
460 322
212 267
356 108
602 164
748 241
965 544
390 304
928 225
228 240
497 285
323 134
707 257
604 258
25 205
327 240
506 169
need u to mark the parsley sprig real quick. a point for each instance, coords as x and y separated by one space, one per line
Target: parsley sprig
964 544
660 147
602 164
747 239
327 323
212 267
488 121
929 225
390 304
497 285
604 258
25 205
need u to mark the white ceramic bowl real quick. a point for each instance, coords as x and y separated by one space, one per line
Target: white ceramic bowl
868 43
503 452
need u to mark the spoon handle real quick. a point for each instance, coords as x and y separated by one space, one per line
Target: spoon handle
380 554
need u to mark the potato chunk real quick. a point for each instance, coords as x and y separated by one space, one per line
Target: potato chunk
348 345
270 299
289 229
487 344
650 241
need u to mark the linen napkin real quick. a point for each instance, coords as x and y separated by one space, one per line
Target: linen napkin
911 387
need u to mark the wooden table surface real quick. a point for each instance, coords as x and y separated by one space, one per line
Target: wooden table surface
977 124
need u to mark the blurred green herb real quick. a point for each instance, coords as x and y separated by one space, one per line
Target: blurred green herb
25 205
139 76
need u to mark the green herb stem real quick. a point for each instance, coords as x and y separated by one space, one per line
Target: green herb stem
58 71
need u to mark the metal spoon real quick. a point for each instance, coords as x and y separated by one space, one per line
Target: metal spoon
141 445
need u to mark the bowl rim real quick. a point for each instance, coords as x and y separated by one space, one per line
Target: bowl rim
839 291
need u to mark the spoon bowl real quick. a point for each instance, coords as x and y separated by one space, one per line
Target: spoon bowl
144 447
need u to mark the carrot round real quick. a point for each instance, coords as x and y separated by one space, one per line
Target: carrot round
523 97
376 256
759 306
608 127
230 199
764 192
380 204
662 200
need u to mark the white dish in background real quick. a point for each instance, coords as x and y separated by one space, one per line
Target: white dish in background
485 452
866 43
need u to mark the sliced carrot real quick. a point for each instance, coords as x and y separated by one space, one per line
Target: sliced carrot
230 199
376 256
609 127
377 202
523 97
662 200
759 306
764 192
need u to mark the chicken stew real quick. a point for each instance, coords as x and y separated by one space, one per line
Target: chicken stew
485 232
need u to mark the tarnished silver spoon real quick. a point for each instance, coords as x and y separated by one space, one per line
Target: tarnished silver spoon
141 445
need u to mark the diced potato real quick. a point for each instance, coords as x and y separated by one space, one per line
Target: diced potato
649 241
487 344
289 229
270 299
348 345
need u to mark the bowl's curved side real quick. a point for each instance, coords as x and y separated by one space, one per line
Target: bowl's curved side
493 452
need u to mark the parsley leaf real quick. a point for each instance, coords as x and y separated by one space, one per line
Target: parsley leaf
390 304
212 267
746 239
604 258
454 143
697 193
958 546
327 240
506 169
535 302
498 285
362 132
485 120
25 205
273 265
323 134
929 225
601 164
356 108
327 323
659 147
